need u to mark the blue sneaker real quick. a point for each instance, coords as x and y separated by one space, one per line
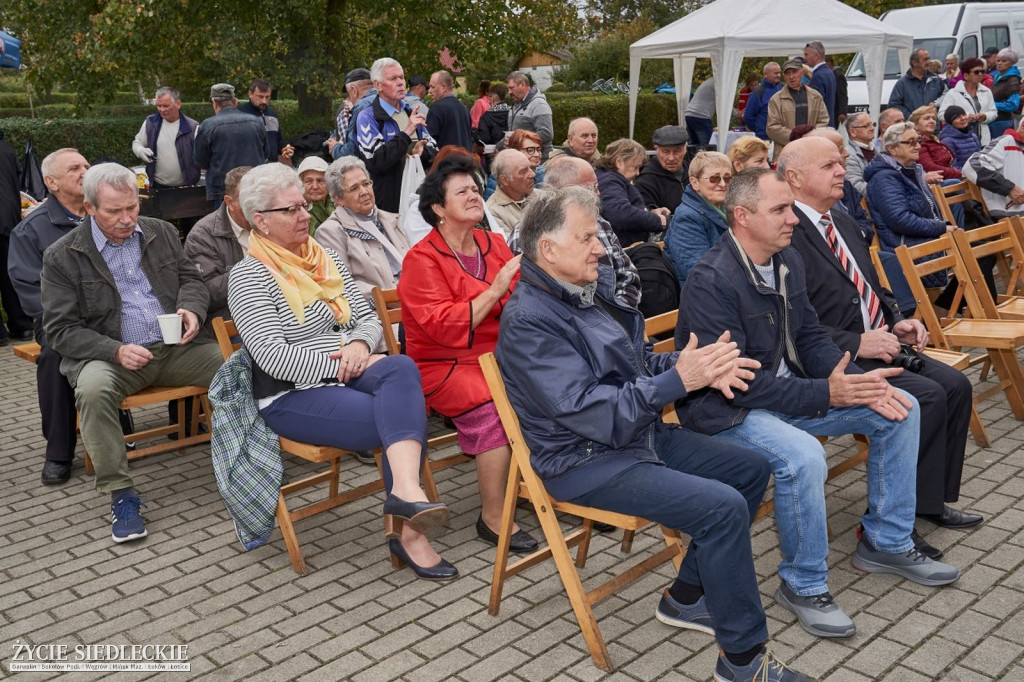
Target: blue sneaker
692 617
764 668
127 521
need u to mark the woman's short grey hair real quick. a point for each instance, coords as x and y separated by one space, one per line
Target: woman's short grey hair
546 214
893 133
336 173
112 175
1007 53
262 184
377 69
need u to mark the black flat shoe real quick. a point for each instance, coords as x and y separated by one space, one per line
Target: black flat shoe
55 473
521 541
424 515
922 546
953 518
442 571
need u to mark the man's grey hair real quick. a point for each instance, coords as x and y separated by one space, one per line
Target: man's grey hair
764 71
47 166
547 214
503 161
915 54
894 133
518 77
262 184
336 172
563 171
377 68
852 119
745 191
112 175
168 90
445 79
887 116
573 123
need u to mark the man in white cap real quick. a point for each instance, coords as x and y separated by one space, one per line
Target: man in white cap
313 171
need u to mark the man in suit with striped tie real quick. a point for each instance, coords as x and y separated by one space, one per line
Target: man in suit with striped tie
862 317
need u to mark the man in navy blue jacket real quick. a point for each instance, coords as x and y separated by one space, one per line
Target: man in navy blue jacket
822 78
755 116
752 284
589 394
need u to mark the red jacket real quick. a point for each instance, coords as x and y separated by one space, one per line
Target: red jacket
935 156
436 294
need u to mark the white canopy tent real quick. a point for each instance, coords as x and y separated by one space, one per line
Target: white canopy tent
729 30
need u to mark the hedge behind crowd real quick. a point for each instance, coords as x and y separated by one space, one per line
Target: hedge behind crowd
111 135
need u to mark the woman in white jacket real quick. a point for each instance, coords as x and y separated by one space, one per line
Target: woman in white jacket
973 97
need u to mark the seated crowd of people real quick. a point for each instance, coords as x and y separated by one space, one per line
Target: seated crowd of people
784 330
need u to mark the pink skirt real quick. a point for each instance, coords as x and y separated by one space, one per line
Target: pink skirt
480 430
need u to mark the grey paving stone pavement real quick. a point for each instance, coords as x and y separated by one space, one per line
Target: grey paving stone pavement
247 615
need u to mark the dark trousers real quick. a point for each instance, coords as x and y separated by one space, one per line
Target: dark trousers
17 321
699 129
945 396
709 489
383 406
56 403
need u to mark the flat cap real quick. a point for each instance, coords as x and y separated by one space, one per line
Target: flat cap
417 80
357 75
670 136
222 91
312 162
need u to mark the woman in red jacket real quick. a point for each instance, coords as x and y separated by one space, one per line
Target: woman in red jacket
936 158
454 284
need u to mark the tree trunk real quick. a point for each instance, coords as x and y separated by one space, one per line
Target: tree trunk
310 105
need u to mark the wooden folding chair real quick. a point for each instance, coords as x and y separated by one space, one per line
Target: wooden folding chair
226 332
389 310
999 239
999 338
947 196
522 480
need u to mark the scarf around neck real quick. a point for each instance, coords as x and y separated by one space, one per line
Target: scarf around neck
305 278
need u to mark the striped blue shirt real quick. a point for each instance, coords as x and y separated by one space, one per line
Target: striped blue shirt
139 304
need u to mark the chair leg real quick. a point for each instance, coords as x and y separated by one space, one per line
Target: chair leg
284 519
427 478
508 516
674 539
981 438
627 541
584 547
1008 370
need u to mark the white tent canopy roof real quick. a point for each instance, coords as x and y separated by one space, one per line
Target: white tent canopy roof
726 31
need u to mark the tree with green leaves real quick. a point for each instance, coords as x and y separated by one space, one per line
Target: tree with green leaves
93 47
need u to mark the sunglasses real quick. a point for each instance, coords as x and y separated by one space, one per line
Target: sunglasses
718 178
977 72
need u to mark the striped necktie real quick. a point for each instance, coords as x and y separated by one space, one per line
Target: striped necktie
867 294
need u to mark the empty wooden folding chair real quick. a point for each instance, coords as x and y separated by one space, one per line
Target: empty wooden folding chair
524 481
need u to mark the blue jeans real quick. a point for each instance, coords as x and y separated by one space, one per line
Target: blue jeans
383 406
709 490
699 129
798 462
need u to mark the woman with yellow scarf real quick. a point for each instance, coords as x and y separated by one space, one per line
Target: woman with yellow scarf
310 332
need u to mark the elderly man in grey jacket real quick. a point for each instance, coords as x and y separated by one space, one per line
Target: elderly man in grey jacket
530 110
103 286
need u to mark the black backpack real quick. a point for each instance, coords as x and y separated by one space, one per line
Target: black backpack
658 283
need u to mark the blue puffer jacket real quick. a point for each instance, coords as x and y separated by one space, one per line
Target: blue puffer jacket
902 207
724 292
623 207
694 229
588 393
963 143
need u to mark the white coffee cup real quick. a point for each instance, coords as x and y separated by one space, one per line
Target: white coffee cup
170 327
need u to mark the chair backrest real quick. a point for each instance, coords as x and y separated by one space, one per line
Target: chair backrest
937 255
389 310
995 239
659 325
226 331
956 193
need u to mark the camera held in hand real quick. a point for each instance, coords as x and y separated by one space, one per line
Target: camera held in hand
909 359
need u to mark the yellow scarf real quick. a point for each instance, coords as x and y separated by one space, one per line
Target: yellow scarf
311 276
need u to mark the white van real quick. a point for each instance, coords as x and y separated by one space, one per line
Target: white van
966 28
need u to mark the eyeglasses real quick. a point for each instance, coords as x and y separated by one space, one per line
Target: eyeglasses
292 211
976 72
365 184
531 150
869 124
916 142
718 178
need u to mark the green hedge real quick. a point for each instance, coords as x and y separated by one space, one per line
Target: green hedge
112 135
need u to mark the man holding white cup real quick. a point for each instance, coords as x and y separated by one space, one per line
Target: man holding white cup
104 286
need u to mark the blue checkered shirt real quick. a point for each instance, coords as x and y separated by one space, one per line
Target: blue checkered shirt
139 305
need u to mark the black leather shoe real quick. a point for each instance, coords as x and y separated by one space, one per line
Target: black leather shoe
55 473
953 518
922 546
521 541
424 515
603 527
22 336
442 571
